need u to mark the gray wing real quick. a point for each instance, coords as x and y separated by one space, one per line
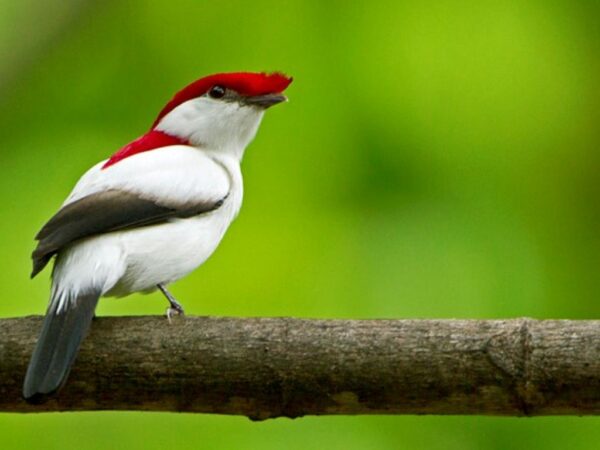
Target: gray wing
104 212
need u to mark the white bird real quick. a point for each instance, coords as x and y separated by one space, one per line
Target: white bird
149 215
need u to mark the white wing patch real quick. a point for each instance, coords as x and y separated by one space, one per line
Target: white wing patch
171 176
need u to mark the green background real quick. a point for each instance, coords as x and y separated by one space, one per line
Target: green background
436 160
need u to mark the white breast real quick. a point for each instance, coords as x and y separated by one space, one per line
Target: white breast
167 252
137 260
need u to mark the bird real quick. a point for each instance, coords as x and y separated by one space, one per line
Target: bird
148 215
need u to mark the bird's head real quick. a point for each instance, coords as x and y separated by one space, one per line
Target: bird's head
222 112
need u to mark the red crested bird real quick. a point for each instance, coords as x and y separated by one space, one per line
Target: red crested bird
149 215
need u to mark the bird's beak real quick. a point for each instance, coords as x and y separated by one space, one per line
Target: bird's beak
265 101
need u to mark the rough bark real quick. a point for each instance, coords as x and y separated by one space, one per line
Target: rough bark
271 367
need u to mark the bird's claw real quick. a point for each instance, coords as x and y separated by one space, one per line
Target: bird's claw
174 311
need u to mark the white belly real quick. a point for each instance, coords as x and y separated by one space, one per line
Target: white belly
124 262
165 253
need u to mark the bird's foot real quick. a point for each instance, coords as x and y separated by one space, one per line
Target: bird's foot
174 310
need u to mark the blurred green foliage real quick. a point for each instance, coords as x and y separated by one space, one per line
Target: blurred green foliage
437 159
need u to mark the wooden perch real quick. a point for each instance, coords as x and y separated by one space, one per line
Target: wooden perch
265 368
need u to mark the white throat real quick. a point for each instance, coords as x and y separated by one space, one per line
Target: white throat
224 127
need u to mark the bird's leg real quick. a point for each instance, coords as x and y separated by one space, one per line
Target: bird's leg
175 307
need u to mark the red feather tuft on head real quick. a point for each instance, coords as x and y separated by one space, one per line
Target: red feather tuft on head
244 83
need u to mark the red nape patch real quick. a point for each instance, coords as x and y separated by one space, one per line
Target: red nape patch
244 83
150 141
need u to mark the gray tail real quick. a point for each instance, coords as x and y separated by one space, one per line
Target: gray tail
58 344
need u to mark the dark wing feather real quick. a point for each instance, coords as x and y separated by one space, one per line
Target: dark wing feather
104 212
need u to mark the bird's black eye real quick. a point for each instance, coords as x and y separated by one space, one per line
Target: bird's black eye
217 92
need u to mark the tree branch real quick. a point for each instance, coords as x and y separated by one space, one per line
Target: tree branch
265 368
